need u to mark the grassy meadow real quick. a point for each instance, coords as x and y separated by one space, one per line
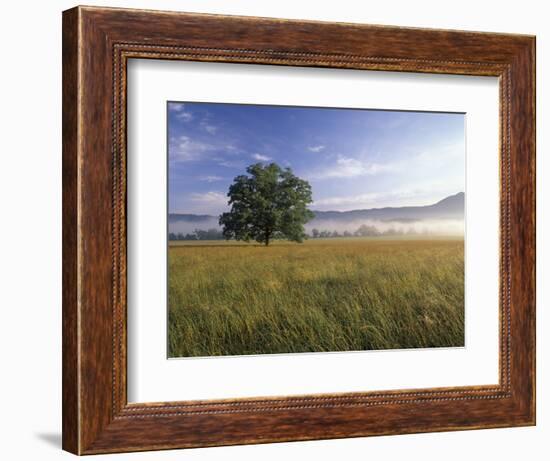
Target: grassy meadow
233 298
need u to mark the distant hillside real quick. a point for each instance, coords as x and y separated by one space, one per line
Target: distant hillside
443 213
451 207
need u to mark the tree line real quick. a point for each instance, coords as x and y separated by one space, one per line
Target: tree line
363 230
198 234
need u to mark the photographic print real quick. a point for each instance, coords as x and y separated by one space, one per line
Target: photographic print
313 229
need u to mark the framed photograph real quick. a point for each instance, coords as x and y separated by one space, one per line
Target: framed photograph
282 230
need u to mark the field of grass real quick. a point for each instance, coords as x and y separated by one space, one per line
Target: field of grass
230 298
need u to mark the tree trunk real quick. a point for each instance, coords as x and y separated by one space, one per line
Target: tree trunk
267 234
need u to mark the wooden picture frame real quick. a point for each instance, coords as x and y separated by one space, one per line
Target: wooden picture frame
97 43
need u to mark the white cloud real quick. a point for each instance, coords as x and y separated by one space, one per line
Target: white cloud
185 116
318 148
361 199
261 157
346 167
185 149
208 127
235 164
211 198
210 178
178 108
212 202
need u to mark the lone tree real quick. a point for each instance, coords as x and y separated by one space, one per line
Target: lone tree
269 202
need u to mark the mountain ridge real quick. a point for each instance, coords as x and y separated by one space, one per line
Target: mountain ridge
450 207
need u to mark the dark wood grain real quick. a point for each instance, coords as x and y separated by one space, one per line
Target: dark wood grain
70 384
97 43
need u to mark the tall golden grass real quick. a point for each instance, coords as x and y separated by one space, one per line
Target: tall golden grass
228 298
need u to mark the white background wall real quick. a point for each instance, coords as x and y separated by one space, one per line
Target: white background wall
30 227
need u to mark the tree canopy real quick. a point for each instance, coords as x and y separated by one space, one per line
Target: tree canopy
268 203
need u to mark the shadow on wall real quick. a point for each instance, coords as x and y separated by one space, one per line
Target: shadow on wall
51 438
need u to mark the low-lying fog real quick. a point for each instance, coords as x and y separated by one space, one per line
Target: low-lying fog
432 226
370 227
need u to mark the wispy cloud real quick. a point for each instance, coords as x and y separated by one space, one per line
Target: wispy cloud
186 149
318 148
190 148
208 127
234 164
176 106
185 116
180 111
210 178
347 167
261 157
211 197
352 200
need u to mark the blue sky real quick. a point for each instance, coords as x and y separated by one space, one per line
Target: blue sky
353 159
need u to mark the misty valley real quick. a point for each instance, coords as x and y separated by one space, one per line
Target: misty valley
445 217
313 229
